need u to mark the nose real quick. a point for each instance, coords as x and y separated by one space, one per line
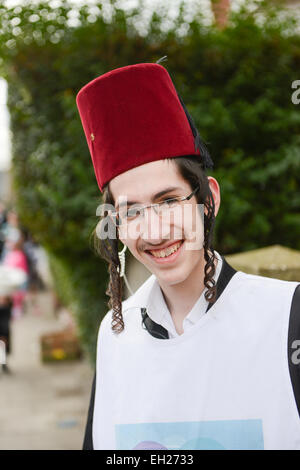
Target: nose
153 230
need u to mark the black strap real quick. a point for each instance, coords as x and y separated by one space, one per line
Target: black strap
294 345
88 436
153 328
227 272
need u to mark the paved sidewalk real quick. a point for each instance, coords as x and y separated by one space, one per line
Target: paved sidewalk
42 406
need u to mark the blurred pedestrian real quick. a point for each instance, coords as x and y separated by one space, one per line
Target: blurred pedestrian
30 248
16 258
3 220
2 213
6 304
9 230
35 282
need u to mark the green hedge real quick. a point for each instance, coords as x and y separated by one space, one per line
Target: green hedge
236 83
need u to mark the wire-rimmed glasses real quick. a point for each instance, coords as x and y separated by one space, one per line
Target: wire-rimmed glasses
129 214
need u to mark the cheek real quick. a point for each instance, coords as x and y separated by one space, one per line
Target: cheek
131 245
192 252
129 234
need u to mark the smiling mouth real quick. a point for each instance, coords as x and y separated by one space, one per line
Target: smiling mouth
166 252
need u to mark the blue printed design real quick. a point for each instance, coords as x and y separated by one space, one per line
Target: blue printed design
203 435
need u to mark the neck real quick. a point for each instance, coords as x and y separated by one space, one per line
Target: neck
180 298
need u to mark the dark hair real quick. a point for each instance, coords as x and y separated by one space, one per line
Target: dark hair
191 169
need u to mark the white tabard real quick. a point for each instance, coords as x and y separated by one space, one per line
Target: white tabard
223 384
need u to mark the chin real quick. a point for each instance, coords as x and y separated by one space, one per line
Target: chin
172 277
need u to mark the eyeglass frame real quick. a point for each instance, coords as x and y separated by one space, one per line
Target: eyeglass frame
116 215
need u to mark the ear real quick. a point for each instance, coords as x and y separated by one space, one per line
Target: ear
216 194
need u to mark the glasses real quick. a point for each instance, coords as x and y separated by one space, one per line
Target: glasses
126 215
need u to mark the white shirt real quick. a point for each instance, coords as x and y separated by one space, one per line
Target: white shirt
158 311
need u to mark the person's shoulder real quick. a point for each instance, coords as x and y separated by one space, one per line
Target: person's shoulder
262 278
140 296
259 283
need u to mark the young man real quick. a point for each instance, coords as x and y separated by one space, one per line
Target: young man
200 356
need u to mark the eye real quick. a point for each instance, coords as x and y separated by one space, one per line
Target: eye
133 212
170 202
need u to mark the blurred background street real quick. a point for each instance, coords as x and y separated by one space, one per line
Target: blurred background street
43 406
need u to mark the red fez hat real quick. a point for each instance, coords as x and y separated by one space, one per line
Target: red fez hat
133 115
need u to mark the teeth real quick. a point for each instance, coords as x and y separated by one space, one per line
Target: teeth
166 252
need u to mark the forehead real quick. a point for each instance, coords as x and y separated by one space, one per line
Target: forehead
141 182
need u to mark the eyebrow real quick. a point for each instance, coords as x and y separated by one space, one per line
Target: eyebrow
155 196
